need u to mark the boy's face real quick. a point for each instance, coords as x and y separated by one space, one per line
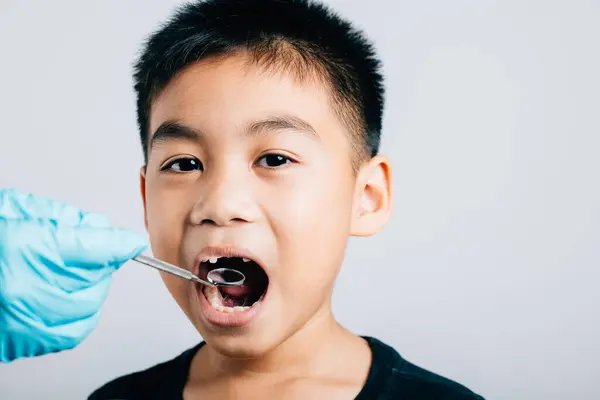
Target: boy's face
251 164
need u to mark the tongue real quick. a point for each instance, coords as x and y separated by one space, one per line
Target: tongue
236 291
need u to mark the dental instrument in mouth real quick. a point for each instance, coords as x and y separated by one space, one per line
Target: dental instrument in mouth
216 277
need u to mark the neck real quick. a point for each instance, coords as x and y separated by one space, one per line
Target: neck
312 350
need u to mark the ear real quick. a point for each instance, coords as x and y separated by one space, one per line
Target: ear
143 193
373 197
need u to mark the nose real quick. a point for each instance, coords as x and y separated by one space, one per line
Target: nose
224 200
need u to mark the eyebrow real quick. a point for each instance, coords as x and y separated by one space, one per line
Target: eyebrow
173 130
281 123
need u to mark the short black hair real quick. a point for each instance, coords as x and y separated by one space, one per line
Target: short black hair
301 37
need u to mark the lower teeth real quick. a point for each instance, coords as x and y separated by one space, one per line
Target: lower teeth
213 296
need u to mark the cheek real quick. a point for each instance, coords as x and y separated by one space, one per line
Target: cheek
166 222
312 227
178 288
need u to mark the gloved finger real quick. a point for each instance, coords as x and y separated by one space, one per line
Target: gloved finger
52 306
93 253
19 205
33 339
66 257
29 337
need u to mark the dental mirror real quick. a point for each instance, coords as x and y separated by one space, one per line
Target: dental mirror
225 277
216 277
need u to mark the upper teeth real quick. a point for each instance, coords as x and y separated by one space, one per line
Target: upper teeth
213 260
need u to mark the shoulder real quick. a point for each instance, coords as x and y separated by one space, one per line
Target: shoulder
402 379
416 382
164 380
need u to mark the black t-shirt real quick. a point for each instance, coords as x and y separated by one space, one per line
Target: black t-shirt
390 377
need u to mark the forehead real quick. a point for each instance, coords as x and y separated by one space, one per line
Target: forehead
226 93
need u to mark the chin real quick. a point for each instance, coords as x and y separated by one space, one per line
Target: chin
241 347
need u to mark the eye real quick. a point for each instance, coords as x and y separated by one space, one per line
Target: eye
186 164
273 160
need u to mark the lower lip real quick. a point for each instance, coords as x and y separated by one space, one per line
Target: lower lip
224 319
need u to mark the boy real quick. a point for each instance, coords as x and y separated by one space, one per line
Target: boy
260 122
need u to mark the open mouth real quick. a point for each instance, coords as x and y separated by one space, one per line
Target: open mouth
235 298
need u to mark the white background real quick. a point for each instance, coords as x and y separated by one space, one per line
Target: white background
489 268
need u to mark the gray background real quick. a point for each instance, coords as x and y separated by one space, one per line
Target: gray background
490 264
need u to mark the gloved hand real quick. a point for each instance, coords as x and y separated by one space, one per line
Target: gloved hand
56 263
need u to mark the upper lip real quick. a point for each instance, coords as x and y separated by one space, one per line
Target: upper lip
227 251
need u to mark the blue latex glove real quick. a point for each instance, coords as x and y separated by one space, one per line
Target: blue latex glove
56 263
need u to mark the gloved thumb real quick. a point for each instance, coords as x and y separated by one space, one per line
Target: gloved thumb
93 248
